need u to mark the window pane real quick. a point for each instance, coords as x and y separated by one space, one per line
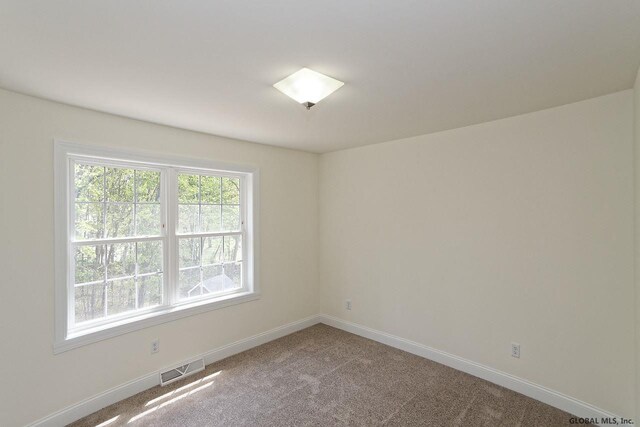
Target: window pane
189 252
211 218
215 281
234 272
149 257
89 222
89 263
210 189
188 219
149 291
230 191
119 185
148 221
212 250
231 218
119 220
121 296
121 260
89 183
232 248
89 302
189 285
188 188
148 186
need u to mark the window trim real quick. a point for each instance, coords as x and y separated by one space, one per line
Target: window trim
63 153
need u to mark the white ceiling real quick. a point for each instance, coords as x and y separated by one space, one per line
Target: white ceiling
410 67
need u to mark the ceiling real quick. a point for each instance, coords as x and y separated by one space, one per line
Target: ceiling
409 67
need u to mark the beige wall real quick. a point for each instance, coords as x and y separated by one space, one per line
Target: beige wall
515 230
36 383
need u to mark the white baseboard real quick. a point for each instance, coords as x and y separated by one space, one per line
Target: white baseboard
535 391
259 339
528 388
88 406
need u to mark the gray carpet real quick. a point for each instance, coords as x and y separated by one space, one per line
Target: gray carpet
323 376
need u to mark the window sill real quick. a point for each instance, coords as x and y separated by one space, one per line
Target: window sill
89 336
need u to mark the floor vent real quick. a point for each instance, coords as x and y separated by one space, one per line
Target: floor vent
174 374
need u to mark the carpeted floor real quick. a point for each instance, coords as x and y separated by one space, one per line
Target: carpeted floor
322 376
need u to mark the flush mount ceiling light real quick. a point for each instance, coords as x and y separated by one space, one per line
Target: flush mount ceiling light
308 87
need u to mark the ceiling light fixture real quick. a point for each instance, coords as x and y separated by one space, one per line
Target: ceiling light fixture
308 87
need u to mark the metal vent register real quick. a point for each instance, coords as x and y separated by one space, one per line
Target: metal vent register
174 374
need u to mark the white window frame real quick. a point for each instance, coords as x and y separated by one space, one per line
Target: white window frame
171 309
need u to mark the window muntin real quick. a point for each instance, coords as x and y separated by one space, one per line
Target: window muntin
124 261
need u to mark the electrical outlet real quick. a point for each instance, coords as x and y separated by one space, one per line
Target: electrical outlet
515 350
347 304
155 346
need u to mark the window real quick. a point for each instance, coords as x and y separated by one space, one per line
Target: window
141 240
209 234
116 242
